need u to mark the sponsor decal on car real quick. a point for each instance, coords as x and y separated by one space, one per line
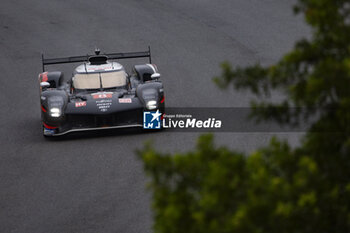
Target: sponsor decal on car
104 104
80 104
100 67
125 100
102 95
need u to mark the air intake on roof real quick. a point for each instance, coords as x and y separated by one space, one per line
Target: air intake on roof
98 60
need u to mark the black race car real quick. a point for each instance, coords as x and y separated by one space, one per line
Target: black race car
100 94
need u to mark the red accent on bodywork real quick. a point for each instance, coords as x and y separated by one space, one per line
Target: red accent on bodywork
44 77
102 95
49 127
43 109
162 101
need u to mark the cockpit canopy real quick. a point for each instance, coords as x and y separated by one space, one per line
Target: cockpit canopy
96 80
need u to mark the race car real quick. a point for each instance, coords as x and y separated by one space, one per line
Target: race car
100 94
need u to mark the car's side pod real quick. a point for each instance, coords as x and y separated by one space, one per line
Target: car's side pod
54 78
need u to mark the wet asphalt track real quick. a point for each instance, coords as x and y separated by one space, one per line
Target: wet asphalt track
94 183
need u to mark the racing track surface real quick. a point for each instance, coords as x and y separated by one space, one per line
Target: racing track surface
95 183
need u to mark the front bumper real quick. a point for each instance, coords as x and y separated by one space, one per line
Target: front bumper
80 122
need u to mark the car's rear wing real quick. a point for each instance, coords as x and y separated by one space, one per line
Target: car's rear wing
111 56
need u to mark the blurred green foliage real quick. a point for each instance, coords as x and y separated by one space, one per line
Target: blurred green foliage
277 188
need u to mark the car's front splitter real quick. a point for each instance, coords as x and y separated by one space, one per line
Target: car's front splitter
55 132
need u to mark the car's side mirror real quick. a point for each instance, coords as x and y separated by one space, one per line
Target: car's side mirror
155 76
44 84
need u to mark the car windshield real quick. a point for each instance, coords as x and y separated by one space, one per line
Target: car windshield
99 80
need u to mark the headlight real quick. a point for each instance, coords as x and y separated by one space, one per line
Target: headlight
152 104
55 112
